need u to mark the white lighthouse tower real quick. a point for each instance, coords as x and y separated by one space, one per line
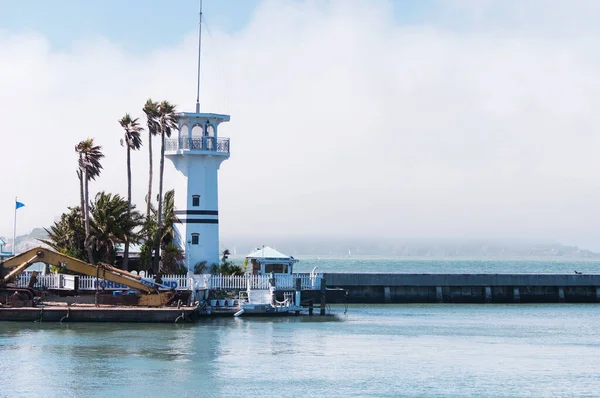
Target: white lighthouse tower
196 155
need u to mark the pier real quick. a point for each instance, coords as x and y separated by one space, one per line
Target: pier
318 290
379 288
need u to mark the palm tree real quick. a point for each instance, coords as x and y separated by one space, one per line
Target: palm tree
167 120
167 234
172 259
67 235
152 116
114 221
79 173
89 168
81 195
131 141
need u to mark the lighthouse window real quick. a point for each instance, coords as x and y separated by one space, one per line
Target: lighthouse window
195 239
196 200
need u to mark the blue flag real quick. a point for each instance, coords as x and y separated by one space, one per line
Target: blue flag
19 205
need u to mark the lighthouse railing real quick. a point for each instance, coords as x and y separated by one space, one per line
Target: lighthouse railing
215 144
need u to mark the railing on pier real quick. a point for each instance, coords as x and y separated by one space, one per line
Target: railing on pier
182 282
213 144
57 281
51 281
261 282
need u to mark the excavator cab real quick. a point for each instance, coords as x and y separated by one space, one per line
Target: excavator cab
14 296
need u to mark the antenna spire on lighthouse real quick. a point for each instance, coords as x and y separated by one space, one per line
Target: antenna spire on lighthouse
199 50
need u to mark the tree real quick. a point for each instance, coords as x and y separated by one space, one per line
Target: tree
227 267
167 234
152 116
89 168
131 141
110 225
114 223
200 267
172 260
167 120
67 235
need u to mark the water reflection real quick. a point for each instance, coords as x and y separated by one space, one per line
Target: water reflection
393 350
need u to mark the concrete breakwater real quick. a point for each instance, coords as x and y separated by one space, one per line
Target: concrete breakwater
466 288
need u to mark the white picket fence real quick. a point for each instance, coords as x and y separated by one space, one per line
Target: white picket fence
57 281
181 282
52 281
261 282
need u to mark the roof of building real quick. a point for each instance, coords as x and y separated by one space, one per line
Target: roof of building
268 253
204 115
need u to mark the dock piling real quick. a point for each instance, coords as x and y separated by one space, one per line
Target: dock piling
439 295
323 296
488 294
298 299
387 294
561 294
516 295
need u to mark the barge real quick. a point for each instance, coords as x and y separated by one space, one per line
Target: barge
101 313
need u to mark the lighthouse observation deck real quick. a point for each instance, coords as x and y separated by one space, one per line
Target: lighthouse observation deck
216 145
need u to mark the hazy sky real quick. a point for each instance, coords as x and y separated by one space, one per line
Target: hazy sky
449 118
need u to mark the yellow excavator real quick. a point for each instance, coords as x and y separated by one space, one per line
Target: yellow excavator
147 295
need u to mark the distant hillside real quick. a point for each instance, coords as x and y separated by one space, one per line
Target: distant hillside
343 248
26 242
370 247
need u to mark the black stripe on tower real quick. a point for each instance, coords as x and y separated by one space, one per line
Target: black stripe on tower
197 212
197 221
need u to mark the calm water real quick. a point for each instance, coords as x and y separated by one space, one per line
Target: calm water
372 351
456 266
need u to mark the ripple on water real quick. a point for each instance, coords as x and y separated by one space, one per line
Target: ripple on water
386 350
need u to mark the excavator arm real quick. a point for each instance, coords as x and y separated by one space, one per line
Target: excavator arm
21 262
14 266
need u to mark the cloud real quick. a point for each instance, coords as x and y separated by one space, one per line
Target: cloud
343 121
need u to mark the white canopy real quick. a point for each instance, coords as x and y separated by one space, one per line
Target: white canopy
267 253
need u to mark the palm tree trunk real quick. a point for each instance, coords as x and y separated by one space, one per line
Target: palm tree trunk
87 218
160 202
126 250
81 197
149 197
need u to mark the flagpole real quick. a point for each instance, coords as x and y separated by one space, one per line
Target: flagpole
14 245
199 48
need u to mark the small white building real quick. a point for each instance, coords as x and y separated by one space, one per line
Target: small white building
265 260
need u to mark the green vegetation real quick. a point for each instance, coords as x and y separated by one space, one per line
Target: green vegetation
89 168
131 141
92 231
227 267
